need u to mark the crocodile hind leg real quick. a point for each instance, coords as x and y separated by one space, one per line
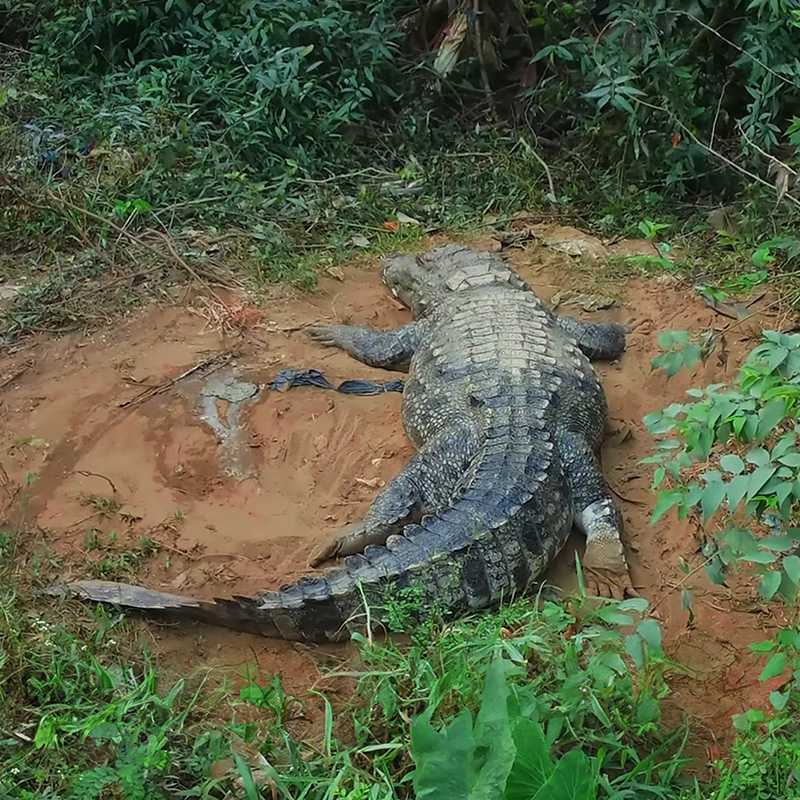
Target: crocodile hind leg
597 516
424 486
386 349
597 340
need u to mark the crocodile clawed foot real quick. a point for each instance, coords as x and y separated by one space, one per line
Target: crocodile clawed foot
325 552
324 334
351 539
606 570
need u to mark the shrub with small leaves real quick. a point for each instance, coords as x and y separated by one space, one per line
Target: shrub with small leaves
734 454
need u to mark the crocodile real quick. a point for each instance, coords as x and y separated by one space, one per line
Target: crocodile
507 416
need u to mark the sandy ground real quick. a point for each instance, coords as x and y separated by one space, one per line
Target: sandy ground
239 513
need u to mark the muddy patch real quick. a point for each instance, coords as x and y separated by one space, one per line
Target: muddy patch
218 486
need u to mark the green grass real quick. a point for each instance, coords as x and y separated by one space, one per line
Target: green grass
85 712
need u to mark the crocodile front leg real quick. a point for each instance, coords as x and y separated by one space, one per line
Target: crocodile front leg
597 516
425 486
597 340
386 349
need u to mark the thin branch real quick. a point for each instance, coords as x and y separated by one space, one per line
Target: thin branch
738 167
741 50
547 172
716 115
86 474
767 155
487 86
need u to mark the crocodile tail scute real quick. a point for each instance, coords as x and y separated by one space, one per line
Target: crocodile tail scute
304 611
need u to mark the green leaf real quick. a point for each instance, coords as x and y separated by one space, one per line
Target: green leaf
248 783
715 570
758 456
671 362
791 565
730 462
637 605
769 417
647 710
444 761
769 584
650 631
758 478
779 700
533 765
779 544
760 557
790 460
766 646
634 647
775 666
713 495
493 738
736 490
665 501
612 616
573 779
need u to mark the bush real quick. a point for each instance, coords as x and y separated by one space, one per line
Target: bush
266 86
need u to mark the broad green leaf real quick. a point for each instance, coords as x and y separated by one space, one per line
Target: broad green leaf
665 501
791 565
776 357
736 490
763 647
758 457
769 584
532 766
573 779
785 446
493 738
790 460
637 605
612 616
758 478
647 710
715 570
779 700
779 544
730 462
713 494
634 647
650 631
760 557
775 666
671 363
444 761
769 417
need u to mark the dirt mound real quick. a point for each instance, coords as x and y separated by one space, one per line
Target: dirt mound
215 485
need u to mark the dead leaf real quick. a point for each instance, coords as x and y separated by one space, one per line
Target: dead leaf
335 272
455 33
372 483
620 435
391 225
404 219
588 302
359 240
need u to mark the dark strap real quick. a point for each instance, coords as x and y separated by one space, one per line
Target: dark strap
289 378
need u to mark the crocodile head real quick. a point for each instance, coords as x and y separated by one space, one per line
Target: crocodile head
419 282
411 282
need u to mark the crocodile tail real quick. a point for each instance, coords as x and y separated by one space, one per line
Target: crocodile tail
322 609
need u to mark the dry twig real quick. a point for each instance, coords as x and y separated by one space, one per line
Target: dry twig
210 364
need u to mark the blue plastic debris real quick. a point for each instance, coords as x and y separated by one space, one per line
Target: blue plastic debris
289 378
